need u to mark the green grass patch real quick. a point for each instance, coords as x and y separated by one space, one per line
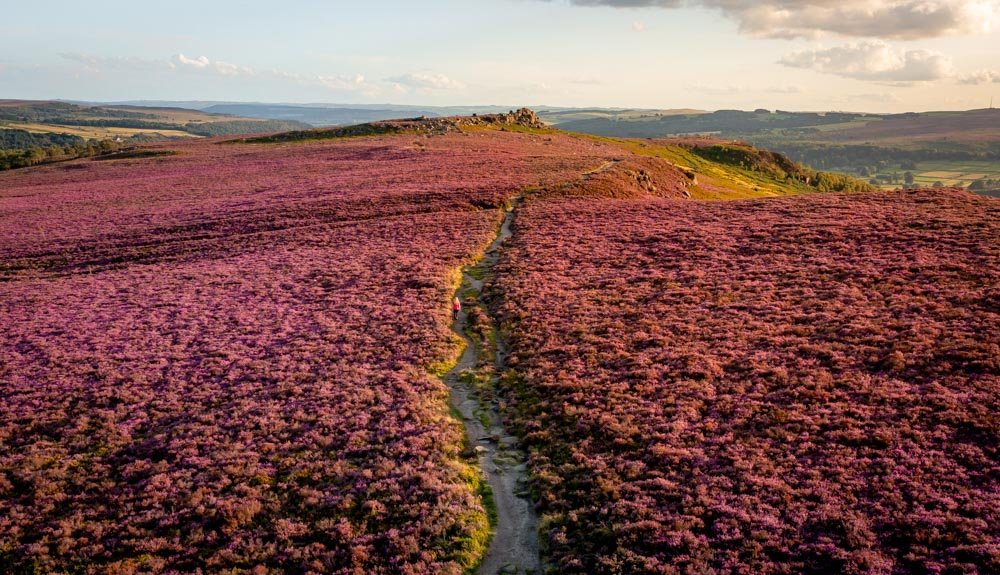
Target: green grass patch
479 271
471 540
485 494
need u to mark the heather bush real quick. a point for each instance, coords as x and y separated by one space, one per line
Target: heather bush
217 361
796 385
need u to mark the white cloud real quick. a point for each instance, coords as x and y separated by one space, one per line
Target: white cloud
875 61
426 81
900 19
638 27
895 19
204 65
980 77
218 67
343 83
200 63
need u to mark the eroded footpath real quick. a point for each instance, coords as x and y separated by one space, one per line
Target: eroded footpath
514 547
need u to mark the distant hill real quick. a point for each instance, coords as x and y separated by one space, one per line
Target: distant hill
726 122
323 115
951 149
315 116
970 126
123 121
34 132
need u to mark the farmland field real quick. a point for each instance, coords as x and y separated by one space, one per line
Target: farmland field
791 385
954 173
93 132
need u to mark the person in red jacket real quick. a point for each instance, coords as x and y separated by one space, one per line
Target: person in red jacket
456 306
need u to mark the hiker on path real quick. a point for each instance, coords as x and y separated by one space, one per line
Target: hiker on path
456 306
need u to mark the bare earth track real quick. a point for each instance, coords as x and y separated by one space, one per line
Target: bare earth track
514 548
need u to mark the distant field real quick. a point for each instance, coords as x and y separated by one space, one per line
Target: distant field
98 133
952 174
100 122
562 116
176 115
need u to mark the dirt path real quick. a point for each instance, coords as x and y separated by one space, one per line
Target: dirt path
514 548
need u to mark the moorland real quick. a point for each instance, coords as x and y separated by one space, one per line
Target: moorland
239 355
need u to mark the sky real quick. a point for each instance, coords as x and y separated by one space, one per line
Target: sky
875 55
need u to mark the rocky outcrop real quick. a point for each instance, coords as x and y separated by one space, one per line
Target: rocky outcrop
524 117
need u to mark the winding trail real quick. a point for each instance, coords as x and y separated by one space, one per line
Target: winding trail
514 548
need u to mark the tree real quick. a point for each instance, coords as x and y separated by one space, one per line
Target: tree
908 178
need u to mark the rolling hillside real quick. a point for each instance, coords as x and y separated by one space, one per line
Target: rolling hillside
225 353
33 132
951 149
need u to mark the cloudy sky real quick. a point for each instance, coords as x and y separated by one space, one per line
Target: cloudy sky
875 55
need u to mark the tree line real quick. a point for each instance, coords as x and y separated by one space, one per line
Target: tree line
20 149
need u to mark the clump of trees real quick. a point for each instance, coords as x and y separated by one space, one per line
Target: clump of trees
830 182
985 184
780 167
20 149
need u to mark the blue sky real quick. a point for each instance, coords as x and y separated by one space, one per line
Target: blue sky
878 55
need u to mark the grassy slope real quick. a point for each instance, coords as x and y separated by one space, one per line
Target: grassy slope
716 181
